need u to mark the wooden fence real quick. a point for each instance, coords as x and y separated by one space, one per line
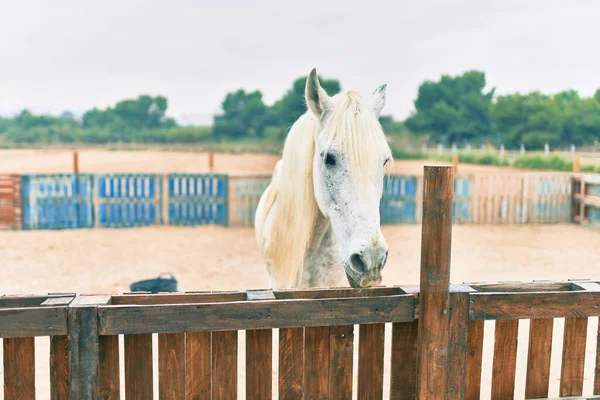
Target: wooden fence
586 199
436 337
10 202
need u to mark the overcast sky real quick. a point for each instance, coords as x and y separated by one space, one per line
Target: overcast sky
72 55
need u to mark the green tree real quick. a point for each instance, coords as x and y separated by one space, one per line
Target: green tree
243 114
453 110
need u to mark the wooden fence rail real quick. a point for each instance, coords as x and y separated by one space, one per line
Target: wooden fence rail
436 337
585 209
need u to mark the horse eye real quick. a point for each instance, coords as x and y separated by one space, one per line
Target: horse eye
329 160
386 161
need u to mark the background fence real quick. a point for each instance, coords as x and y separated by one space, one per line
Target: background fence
68 201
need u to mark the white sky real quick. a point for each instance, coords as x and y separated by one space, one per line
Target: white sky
57 55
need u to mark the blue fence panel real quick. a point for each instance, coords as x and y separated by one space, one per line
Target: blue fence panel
398 203
460 206
57 201
198 199
129 200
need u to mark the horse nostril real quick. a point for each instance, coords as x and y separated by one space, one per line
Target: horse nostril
384 260
357 263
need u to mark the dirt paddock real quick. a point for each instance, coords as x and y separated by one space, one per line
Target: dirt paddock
102 260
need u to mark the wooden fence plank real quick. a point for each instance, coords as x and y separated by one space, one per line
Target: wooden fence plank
59 367
404 360
224 365
341 346
19 368
533 305
171 365
291 363
573 357
124 319
33 321
597 369
432 351
138 367
505 360
316 363
198 365
538 358
474 358
259 364
370 361
457 347
110 387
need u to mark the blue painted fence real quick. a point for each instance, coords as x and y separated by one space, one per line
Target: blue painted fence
57 201
129 200
198 199
399 201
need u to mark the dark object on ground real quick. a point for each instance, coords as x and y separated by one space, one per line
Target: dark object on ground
156 285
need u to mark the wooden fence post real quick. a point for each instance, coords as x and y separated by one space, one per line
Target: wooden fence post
455 163
75 162
211 161
84 347
576 164
434 316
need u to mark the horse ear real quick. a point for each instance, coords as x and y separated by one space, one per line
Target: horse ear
379 99
317 99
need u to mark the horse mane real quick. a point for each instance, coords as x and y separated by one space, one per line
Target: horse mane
359 135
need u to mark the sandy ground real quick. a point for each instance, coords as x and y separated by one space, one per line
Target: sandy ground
102 260
152 161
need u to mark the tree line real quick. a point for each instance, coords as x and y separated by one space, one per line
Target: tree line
454 110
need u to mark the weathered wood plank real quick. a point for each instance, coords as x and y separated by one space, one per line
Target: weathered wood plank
332 293
224 365
432 351
597 368
291 363
474 358
316 363
84 353
505 359
341 346
259 364
198 365
534 305
110 388
457 347
171 365
33 321
59 367
404 360
538 358
138 367
254 314
370 361
19 368
573 357
177 298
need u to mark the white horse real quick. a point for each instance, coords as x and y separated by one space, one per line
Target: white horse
319 217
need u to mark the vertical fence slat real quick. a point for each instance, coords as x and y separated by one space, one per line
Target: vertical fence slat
341 345
404 360
316 363
259 360
138 367
110 386
457 348
474 358
224 364
291 363
370 361
538 358
19 368
59 367
571 374
597 369
198 365
84 352
171 365
432 351
505 359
